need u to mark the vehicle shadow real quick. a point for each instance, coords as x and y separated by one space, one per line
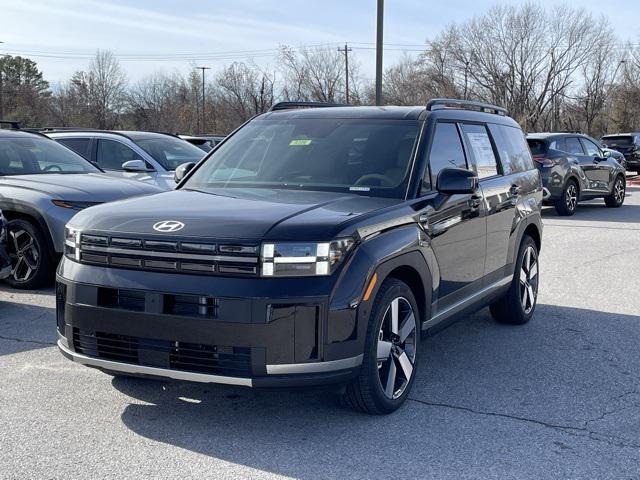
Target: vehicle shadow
26 327
595 211
566 367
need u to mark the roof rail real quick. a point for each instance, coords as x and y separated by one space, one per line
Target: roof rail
454 103
291 105
66 129
13 124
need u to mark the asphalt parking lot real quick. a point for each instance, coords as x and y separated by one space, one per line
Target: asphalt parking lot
557 398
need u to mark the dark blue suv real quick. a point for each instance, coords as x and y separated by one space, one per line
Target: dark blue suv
312 246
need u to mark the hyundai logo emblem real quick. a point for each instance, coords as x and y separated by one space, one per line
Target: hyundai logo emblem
168 226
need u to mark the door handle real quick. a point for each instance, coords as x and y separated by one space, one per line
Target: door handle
515 190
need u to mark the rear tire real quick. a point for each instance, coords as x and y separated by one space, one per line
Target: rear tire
31 264
390 357
616 199
568 203
517 305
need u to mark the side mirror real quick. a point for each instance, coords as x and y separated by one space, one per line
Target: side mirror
606 154
135 166
453 181
182 171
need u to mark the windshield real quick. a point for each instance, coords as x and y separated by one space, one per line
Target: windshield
29 155
366 156
618 141
170 152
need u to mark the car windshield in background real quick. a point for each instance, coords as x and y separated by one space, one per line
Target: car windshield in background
34 155
365 156
170 152
537 147
618 141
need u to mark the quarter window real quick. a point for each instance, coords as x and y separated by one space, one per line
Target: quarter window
111 154
515 154
573 146
446 152
482 155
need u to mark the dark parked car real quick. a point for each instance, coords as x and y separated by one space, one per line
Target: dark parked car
311 247
629 145
573 167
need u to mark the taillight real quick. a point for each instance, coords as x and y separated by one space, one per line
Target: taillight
545 162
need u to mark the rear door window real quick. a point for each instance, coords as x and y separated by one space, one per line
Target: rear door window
483 158
446 152
573 146
82 146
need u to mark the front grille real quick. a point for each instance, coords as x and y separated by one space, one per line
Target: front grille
190 357
166 255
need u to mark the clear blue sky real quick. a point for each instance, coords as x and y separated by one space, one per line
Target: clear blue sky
171 28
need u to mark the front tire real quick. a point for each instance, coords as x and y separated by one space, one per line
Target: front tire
31 266
616 199
567 205
517 305
391 352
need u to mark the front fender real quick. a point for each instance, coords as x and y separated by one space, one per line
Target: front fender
380 255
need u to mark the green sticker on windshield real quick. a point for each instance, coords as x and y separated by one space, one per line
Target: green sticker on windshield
300 142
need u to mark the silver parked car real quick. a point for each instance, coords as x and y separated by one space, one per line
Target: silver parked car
146 156
43 185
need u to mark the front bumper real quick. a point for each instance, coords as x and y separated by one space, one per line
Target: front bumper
262 341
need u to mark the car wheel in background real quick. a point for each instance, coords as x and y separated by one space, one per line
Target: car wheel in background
518 304
391 352
30 262
616 199
566 206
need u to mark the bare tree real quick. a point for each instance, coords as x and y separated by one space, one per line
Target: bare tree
524 57
107 87
242 91
313 74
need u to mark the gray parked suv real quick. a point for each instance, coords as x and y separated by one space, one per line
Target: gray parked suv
574 167
43 185
146 156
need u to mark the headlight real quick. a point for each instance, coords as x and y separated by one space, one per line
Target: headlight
296 259
72 243
73 205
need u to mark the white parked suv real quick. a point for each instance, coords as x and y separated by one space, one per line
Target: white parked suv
146 156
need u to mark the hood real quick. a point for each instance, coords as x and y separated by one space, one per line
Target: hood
243 214
83 187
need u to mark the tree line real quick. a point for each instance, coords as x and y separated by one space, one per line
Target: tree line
554 69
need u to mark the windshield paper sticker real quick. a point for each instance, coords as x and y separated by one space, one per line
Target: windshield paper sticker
300 142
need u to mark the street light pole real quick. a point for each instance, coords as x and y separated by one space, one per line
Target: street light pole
379 32
203 116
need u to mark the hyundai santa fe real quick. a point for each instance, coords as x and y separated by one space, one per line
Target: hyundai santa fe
312 246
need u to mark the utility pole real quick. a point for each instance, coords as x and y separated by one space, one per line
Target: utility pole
346 51
379 52
203 116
